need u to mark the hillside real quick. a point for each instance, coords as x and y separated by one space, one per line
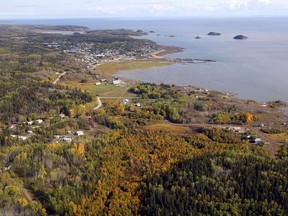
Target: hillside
76 140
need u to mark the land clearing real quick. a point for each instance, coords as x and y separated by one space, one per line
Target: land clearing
177 129
280 138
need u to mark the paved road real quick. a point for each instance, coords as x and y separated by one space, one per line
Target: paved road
272 144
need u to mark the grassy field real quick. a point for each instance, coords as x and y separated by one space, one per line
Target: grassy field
279 138
109 90
111 68
104 90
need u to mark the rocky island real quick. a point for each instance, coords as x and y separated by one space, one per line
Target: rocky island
240 37
214 34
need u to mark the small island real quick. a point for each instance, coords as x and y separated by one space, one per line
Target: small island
197 37
240 37
214 34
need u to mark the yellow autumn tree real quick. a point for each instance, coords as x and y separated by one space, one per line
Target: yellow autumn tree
244 117
77 150
23 202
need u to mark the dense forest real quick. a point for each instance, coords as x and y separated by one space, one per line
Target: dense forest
167 150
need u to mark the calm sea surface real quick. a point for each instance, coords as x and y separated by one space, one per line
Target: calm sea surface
256 68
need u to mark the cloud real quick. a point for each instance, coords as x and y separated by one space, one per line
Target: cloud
139 8
265 1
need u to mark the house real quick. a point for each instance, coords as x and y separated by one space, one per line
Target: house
255 140
67 139
39 121
138 105
7 167
103 80
29 122
125 101
79 133
116 82
30 131
19 137
22 138
69 132
57 137
61 115
98 83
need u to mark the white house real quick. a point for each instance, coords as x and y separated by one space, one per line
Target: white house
22 138
29 122
98 83
7 167
138 105
125 101
19 137
57 137
117 82
79 133
39 121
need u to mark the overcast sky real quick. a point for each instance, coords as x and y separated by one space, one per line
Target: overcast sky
139 8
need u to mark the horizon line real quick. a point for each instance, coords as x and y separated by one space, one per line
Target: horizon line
148 18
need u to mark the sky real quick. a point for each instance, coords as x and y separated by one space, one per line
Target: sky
31 9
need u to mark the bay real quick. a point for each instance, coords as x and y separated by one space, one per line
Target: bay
256 68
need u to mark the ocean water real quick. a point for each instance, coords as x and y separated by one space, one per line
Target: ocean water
256 68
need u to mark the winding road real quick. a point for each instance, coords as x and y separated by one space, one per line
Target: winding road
272 146
99 103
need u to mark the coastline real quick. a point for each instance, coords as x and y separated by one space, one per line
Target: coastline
166 50
153 59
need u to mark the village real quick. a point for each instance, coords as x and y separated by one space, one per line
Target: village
94 51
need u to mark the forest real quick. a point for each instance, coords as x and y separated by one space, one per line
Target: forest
167 150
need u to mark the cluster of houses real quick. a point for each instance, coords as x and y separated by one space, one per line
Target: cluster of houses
115 81
68 139
249 137
126 101
23 138
93 58
38 121
87 54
